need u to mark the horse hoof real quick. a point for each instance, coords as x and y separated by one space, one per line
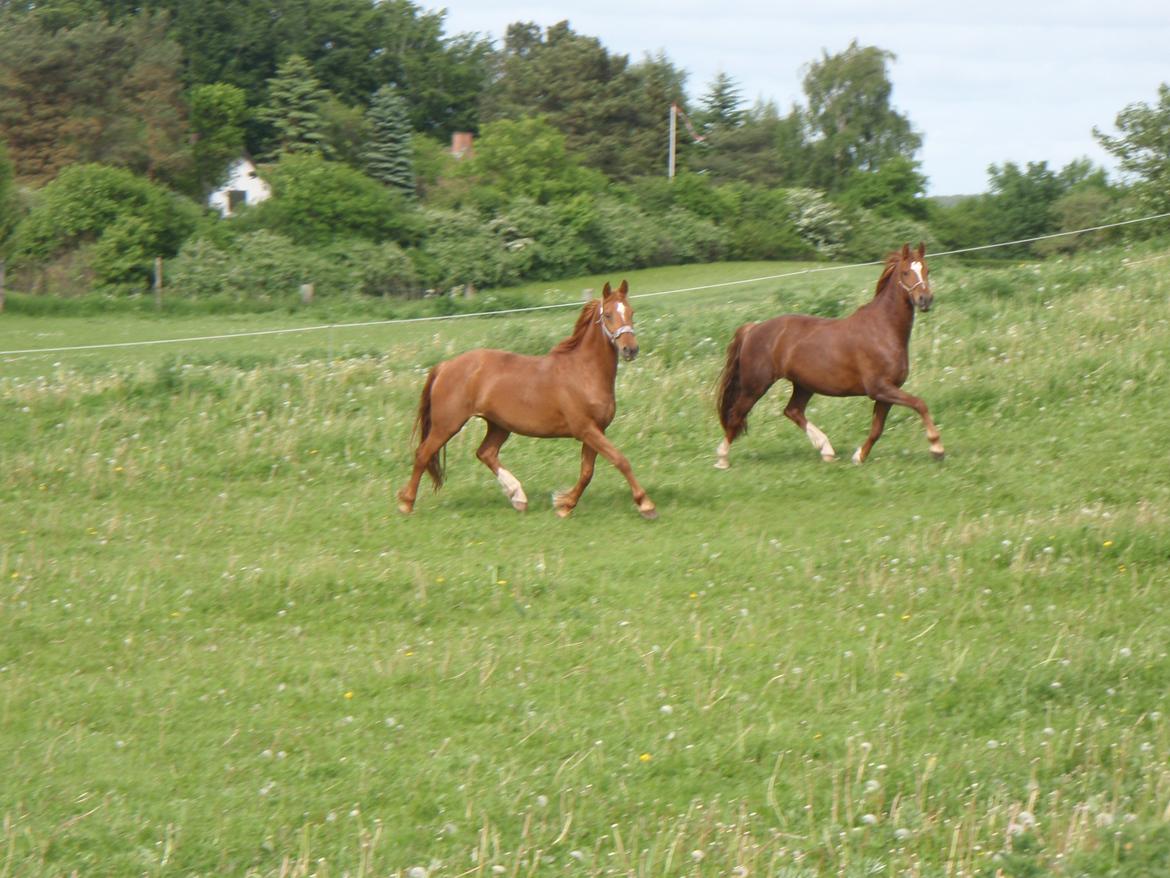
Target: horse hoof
829 458
857 458
722 463
405 508
520 506
563 511
649 514
938 455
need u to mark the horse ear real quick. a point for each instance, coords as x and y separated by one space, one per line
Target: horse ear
606 292
921 250
905 251
624 288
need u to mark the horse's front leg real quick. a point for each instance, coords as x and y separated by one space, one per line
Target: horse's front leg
564 502
898 396
598 440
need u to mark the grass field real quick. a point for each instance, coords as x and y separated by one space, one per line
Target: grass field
224 652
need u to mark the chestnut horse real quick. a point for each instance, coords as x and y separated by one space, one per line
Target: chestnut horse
864 354
566 394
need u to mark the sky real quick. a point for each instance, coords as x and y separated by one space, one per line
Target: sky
983 82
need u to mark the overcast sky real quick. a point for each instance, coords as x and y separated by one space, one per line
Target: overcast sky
983 82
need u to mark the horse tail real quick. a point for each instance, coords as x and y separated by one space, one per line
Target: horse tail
436 466
729 386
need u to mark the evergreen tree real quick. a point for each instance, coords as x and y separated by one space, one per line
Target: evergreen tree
722 106
295 97
388 154
98 92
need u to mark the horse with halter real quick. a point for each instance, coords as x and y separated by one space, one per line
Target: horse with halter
864 354
567 393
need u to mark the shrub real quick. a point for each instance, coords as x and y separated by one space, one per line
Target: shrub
315 202
128 219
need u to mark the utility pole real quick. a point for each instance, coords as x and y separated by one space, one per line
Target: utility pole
673 138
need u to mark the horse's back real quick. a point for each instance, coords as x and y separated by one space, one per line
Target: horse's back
519 392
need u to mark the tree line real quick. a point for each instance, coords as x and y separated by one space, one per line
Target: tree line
117 119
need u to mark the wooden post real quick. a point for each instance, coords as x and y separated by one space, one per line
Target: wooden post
158 281
307 293
2 273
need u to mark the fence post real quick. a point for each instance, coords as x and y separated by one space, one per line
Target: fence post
158 281
3 269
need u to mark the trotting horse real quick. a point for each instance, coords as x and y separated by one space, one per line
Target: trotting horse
567 393
864 354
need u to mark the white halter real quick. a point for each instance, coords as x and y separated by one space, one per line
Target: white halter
612 336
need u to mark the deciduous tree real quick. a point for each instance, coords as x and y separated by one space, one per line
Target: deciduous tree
850 124
1142 148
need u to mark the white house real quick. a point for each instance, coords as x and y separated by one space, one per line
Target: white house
243 186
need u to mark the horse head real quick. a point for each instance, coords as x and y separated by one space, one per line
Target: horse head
617 320
914 276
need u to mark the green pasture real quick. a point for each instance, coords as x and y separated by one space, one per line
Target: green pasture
224 653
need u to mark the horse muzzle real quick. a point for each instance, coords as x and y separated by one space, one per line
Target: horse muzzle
628 352
924 300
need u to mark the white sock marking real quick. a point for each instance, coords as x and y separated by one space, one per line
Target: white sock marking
512 488
819 440
721 453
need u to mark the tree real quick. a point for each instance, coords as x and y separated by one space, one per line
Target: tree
722 105
766 149
388 153
1143 148
315 201
92 93
8 205
892 190
528 158
295 98
608 112
849 121
127 220
218 113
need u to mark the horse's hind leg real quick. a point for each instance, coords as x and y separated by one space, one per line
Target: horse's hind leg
566 501
749 395
880 410
489 453
444 424
794 411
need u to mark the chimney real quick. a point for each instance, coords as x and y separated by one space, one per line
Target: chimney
461 144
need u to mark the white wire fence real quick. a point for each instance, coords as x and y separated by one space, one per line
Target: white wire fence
575 303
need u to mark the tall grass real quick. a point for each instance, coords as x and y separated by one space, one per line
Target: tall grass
225 653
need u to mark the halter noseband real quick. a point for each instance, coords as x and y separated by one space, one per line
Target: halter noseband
612 336
921 283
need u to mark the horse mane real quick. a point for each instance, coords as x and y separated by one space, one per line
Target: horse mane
584 320
891 263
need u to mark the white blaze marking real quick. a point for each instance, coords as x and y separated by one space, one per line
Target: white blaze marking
511 486
916 267
621 309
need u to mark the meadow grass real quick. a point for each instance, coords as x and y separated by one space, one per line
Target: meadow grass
225 653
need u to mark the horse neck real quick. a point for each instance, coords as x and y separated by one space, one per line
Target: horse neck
894 309
596 349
